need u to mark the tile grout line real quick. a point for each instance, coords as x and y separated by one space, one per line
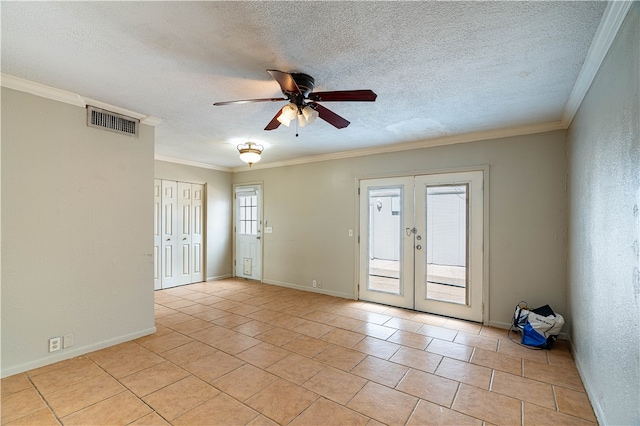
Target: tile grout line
153 410
42 398
415 407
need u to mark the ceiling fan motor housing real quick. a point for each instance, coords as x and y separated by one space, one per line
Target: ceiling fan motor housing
305 83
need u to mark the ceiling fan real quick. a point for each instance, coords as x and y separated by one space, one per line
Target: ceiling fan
303 103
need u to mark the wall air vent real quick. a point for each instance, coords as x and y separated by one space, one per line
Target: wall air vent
108 120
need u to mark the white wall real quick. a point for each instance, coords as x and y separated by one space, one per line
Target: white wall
77 236
218 211
604 232
312 206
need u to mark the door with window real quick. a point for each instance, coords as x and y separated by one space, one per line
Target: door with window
248 227
421 243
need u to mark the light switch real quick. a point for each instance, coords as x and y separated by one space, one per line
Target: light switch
351 232
268 229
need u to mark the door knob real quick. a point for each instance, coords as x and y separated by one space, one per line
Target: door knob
418 247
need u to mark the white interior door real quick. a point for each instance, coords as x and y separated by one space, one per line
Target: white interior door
169 234
197 232
178 233
386 241
421 240
449 262
248 227
157 234
184 233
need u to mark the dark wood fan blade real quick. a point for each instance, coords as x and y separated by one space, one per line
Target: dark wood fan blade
330 116
344 96
274 123
286 82
247 101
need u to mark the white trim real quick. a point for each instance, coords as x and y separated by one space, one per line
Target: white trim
595 403
219 277
73 352
44 91
17 83
191 163
607 31
427 143
310 289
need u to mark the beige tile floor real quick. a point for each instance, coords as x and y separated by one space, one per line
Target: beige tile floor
243 353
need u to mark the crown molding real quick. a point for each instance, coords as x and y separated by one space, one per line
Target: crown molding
44 91
22 85
606 33
191 163
427 143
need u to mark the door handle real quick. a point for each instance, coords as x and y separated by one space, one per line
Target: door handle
258 237
168 239
418 247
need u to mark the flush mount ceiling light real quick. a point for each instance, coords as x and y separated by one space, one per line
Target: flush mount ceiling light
250 152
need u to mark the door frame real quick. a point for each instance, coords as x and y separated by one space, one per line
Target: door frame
485 169
260 226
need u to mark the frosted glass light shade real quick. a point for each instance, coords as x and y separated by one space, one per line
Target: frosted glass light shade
307 117
289 113
250 152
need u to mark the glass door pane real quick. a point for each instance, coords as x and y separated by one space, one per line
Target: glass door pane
446 243
384 239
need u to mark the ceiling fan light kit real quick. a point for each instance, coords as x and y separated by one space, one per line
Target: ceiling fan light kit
250 152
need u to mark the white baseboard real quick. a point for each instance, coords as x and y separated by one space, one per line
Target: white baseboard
499 324
310 289
597 409
69 353
219 277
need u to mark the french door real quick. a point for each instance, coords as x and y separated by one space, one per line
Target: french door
421 240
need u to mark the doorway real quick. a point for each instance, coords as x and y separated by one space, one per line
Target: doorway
248 229
421 243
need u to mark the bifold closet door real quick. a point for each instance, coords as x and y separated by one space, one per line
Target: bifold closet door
169 258
178 233
190 236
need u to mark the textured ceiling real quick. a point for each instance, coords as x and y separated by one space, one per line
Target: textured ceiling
439 68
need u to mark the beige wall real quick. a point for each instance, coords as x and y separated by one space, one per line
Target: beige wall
604 230
312 206
76 232
217 211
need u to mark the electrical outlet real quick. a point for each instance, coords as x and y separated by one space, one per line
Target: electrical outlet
54 344
67 341
314 283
